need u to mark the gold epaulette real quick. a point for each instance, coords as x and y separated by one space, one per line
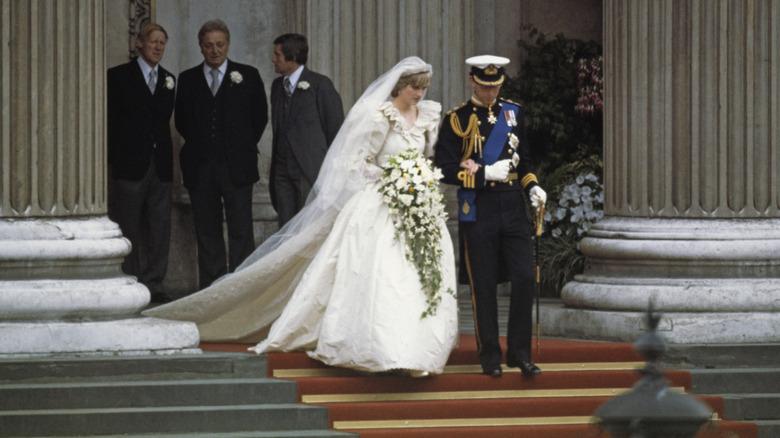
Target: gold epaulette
510 101
457 108
528 179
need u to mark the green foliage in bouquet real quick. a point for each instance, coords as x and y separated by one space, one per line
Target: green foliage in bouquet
561 93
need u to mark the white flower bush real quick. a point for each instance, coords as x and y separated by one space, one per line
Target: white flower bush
581 205
410 188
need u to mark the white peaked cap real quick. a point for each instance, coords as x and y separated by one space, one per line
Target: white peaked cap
483 61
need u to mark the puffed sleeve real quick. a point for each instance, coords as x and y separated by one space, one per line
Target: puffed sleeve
429 113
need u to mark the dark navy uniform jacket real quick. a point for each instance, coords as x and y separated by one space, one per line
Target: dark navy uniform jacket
464 134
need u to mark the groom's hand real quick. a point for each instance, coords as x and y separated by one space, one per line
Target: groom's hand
470 165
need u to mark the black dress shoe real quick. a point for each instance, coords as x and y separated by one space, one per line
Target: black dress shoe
493 371
526 367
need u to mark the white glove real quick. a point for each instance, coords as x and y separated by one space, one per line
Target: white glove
372 172
538 196
498 171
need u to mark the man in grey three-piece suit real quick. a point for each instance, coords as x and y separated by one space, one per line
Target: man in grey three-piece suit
306 114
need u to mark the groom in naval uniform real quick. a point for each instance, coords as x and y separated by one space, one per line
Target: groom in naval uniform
482 149
221 112
140 97
306 114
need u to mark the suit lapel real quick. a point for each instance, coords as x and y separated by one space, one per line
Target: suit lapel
139 82
224 86
296 96
161 75
278 103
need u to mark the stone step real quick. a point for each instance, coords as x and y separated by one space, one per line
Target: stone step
749 407
768 428
684 356
152 367
735 381
158 421
124 394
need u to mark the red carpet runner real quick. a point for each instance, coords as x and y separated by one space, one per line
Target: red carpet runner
577 378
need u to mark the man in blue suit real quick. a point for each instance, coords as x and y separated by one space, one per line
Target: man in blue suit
221 112
140 103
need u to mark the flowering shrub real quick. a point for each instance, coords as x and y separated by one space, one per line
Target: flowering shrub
591 98
580 205
410 186
560 88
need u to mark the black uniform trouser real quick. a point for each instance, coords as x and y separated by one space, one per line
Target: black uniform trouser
500 236
214 192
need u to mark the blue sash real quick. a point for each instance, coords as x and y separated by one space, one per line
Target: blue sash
492 148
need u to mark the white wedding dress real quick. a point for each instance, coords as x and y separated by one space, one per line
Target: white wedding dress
341 289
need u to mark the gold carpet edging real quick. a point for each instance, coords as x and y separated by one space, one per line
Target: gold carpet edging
462 369
471 422
466 395
461 422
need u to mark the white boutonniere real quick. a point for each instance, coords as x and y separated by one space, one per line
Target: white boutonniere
303 85
235 77
169 84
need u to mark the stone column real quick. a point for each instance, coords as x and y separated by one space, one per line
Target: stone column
61 287
691 175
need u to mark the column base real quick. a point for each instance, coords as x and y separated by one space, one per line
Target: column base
714 280
63 293
131 336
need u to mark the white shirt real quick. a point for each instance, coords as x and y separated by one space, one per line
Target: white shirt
294 78
222 70
146 68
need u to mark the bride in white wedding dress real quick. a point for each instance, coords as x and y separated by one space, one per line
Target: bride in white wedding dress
335 281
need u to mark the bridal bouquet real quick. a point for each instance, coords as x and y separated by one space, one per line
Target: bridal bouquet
410 188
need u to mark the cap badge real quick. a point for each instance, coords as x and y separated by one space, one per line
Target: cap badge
491 70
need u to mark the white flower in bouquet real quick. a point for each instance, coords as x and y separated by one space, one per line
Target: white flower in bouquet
410 188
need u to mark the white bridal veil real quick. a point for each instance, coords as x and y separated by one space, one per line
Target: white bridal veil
241 306
341 174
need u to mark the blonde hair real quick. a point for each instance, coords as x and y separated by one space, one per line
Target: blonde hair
148 29
422 79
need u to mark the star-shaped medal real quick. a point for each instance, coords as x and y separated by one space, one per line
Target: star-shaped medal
492 119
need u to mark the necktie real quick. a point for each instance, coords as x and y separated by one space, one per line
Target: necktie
152 80
214 81
287 87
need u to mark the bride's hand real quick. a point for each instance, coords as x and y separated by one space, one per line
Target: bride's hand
372 172
470 165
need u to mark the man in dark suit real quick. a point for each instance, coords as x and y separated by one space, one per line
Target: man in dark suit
482 149
306 114
140 157
221 112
